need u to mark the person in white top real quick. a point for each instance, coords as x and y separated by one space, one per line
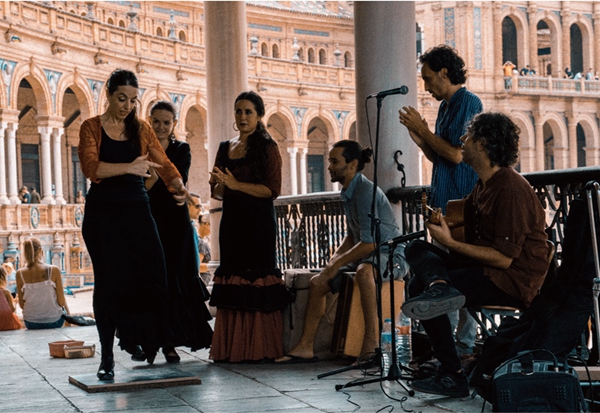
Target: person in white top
40 290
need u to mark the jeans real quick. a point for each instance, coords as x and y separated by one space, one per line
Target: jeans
430 263
41 326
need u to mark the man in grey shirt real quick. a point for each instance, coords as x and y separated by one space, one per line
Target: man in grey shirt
357 251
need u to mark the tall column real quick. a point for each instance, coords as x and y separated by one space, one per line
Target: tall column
539 141
596 37
565 15
11 152
303 170
46 190
497 22
533 41
293 170
3 197
572 140
382 63
57 164
226 77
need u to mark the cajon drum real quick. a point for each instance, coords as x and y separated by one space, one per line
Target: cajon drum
298 280
349 327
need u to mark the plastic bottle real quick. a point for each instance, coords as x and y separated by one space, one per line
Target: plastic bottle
386 345
403 340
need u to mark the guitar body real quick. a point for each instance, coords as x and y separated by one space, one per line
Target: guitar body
460 218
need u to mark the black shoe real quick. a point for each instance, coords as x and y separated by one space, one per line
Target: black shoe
106 371
445 384
137 354
437 300
150 354
171 355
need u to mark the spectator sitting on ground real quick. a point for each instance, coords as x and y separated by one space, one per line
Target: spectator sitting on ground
8 318
11 280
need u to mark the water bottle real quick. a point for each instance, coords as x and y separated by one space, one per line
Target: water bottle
403 340
386 345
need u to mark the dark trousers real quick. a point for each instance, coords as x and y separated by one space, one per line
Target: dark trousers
430 263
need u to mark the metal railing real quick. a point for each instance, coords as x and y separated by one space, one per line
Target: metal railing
312 226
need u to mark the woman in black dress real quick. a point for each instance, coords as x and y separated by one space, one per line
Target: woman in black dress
248 289
116 151
187 315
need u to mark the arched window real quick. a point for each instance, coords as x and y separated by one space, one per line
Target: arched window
509 42
576 50
311 55
182 36
580 146
121 23
301 54
159 32
264 50
322 57
347 59
110 21
275 51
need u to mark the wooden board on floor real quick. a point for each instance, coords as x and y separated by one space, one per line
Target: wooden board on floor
594 373
130 380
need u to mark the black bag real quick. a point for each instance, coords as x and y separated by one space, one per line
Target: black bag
523 384
78 320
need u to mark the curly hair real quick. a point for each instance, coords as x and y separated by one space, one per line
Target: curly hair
443 56
352 150
499 136
258 141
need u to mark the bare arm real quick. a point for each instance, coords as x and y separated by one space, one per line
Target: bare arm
60 292
485 255
347 253
429 142
9 299
140 167
227 179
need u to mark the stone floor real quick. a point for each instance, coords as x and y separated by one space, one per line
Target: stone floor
32 381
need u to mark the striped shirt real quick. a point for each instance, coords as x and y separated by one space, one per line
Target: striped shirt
451 181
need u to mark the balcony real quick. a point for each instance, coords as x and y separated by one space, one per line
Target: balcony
311 227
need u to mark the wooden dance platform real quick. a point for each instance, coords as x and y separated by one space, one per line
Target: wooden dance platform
133 380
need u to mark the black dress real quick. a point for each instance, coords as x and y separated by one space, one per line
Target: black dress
187 315
248 289
130 283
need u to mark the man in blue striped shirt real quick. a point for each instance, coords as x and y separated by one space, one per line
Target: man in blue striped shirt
444 74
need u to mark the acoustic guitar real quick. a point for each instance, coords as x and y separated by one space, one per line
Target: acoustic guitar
459 217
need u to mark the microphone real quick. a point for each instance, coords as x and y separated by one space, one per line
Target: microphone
402 90
404 238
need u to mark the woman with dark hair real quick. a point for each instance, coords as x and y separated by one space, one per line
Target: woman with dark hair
187 315
248 289
116 151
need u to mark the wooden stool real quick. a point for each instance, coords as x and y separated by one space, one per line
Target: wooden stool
349 326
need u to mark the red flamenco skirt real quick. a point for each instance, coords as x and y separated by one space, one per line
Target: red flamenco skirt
245 333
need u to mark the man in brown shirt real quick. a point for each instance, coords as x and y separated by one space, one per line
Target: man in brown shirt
505 263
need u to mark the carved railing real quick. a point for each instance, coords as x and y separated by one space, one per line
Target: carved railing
312 226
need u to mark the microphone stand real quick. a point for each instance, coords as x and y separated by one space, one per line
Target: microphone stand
394 371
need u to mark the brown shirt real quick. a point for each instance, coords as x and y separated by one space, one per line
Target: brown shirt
510 218
90 139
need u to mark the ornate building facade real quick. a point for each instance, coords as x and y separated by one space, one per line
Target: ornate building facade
55 57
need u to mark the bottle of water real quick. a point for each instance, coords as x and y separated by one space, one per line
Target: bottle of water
403 340
386 345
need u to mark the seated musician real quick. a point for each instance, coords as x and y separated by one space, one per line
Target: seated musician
505 264
356 252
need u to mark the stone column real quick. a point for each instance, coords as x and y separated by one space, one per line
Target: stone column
226 77
571 140
384 62
533 43
596 37
3 197
539 141
11 153
46 190
303 170
498 70
293 171
57 164
565 15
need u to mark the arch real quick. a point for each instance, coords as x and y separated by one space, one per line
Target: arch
576 49
146 102
285 113
122 23
322 57
590 127
347 128
328 119
527 150
552 21
110 21
587 40
81 88
37 79
347 59
311 55
554 126
192 127
182 36
275 51
301 54
519 19
159 32
264 49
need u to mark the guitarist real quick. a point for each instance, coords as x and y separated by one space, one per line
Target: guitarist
444 75
508 260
